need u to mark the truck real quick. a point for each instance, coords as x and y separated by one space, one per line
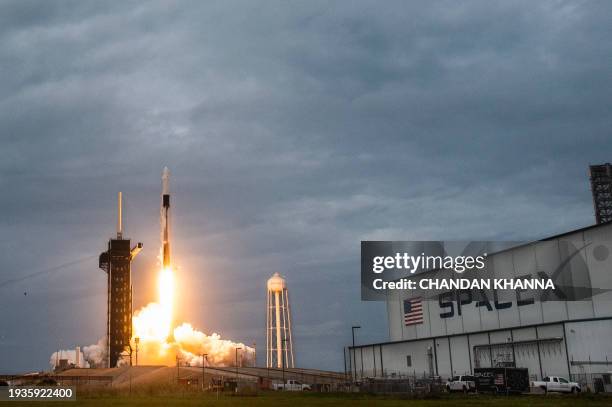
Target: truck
461 383
557 384
502 379
291 385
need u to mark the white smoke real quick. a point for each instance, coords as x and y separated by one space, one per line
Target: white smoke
189 344
89 356
96 354
192 344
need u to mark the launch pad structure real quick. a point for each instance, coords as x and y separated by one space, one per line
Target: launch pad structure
116 262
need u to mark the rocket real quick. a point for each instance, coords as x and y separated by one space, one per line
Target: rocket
165 218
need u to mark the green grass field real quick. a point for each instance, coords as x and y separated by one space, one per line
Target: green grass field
319 399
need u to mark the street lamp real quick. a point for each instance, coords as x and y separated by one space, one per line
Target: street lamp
254 354
204 356
137 341
354 357
237 349
344 356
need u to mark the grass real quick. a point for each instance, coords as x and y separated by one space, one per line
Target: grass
323 399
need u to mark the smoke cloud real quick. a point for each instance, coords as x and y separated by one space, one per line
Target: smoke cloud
221 352
187 343
89 356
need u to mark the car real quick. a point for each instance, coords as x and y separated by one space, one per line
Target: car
461 383
292 385
557 384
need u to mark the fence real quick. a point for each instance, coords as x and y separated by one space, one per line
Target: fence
594 382
405 384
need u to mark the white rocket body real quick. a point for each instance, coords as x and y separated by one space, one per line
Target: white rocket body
165 218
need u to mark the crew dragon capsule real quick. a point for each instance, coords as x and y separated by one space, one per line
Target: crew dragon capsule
165 218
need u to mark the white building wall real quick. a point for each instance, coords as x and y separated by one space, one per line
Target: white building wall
526 353
395 314
552 354
437 324
580 309
524 261
395 359
548 258
443 355
460 355
543 256
586 341
598 353
601 275
367 368
476 341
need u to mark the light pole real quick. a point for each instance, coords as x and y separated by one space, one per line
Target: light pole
177 369
254 354
345 371
204 357
354 357
237 349
137 341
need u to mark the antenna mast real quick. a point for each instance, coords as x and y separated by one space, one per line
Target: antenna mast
119 217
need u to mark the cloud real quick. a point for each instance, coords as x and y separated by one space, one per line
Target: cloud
293 132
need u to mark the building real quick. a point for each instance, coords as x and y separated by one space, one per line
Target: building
601 187
570 338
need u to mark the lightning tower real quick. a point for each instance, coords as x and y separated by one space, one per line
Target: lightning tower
279 342
601 187
116 262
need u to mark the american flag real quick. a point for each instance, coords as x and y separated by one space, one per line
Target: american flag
413 311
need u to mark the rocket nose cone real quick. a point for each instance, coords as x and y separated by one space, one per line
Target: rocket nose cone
165 172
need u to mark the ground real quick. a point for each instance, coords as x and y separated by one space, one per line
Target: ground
331 400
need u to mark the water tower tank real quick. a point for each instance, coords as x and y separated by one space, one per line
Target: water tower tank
276 283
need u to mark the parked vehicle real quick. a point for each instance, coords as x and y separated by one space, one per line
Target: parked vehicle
502 379
557 384
461 383
291 385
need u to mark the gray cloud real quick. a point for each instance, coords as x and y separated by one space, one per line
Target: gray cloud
293 131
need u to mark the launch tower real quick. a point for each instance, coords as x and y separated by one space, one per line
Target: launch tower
116 262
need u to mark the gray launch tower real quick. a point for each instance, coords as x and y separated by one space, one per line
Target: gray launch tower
116 262
601 186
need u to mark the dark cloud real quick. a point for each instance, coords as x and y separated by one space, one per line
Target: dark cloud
293 131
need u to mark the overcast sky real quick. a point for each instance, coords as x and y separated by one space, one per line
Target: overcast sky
293 130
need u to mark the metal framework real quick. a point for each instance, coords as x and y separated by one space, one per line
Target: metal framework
601 186
279 342
116 262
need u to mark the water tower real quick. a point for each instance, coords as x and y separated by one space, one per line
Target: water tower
279 344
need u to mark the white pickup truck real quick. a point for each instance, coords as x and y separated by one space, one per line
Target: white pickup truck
557 384
291 385
461 383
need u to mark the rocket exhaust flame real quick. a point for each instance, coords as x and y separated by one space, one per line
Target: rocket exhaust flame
159 343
